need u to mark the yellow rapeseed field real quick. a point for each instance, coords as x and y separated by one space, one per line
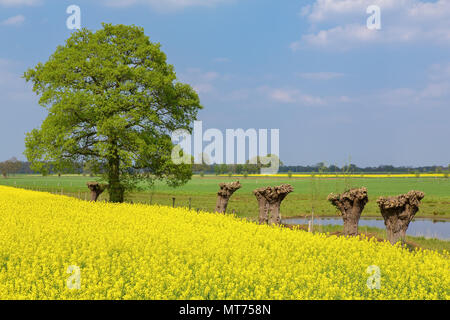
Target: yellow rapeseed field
52 245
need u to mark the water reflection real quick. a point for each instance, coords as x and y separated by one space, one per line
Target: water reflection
428 228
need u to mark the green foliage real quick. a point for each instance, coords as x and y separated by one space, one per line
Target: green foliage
222 168
112 101
348 170
10 166
203 166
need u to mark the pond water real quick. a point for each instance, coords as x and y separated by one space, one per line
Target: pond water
428 228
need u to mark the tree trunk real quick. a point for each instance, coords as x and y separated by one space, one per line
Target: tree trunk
274 196
275 215
224 195
116 190
263 205
96 190
398 212
351 221
350 204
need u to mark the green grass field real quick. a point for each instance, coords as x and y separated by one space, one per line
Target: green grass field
308 192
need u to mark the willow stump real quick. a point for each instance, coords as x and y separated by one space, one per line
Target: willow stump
350 204
274 196
398 212
224 195
263 205
96 190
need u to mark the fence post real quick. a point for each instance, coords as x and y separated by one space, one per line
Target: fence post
190 203
173 202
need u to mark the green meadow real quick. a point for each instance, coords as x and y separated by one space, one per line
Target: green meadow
309 193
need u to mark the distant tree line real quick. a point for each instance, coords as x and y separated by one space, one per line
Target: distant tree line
14 166
318 168
352 168
250 167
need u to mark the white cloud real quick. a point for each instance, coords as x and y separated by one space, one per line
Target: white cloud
344 99
166 5
438 86
12 86
435 92
238 95
285 96
202 88
292 96
341 37
18 107
210 76
402 21
320 75
18 3
394 97
196 74
201 81
326 10
14 21
221 60
439 72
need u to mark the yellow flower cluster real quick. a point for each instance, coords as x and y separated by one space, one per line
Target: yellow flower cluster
52 245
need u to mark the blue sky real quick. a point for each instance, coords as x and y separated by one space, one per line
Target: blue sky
334 88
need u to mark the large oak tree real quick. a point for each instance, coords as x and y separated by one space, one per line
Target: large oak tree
112 100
